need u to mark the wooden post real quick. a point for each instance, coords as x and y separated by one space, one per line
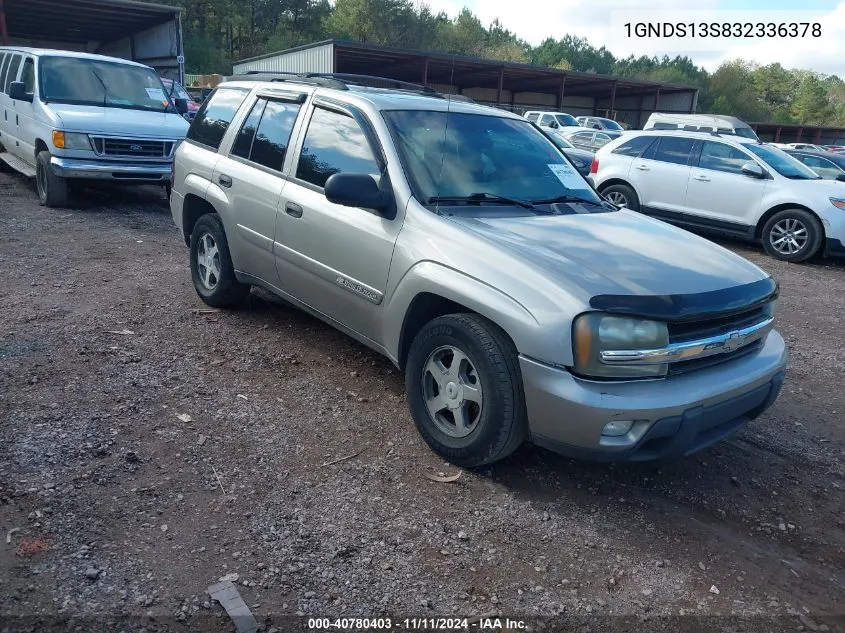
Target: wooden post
560 94
4 32
612 100
818 136
425 72
501 85
657 100
800 134
777 134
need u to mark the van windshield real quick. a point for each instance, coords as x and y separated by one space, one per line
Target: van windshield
566 120
464 156
83 81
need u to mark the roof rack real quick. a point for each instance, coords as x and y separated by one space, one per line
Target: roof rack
372 81
281 76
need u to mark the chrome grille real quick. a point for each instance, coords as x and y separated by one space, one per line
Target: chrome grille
133 148
683 331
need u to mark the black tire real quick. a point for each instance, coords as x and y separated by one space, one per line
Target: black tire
622 192
52 189
501 421
216 285
797 223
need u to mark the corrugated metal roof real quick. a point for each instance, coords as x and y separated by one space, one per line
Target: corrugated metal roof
81 21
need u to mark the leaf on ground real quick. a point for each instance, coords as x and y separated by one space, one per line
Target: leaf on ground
444 479
185 417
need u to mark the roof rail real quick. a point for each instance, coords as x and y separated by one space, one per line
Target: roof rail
281 76
373 81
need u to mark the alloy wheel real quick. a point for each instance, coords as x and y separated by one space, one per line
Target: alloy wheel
208 261
452 391
789 236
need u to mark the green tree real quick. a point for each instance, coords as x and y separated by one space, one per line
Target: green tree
812 105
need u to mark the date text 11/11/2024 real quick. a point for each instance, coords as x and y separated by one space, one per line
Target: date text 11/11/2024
417 624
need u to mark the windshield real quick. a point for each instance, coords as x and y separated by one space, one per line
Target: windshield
95 82
747 132
610 124
566 119
456 155
782 163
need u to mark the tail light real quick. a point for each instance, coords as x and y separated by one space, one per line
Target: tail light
594 168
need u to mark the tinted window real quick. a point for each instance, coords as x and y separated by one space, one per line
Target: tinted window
722 157
28 75
547 118
4 57
783 163
747 132
566 119
243 143
271 141
635 146
582 137
210 125
532 117
12 74
665 126
610 124
334 144
602 139
672 149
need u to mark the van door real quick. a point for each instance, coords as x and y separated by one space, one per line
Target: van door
5 58
27 126
10 125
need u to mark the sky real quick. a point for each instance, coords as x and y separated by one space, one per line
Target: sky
535 20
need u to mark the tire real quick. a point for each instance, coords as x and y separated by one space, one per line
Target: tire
486 393
792 235
52 189
211 265
622 193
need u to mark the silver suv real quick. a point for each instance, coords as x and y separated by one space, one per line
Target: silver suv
459 242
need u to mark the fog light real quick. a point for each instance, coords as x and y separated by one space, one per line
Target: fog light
617 428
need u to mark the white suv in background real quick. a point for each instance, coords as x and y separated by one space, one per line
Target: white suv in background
725 184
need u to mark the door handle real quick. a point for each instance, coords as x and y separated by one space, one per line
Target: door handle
293 210
642 167
224 180
701 178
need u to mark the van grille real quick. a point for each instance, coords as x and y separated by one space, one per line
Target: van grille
134 148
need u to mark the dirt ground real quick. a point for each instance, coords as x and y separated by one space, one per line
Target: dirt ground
150 448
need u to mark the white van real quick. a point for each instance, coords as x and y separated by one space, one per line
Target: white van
68 117
700 123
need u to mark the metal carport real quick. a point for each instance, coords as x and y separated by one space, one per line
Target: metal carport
147 33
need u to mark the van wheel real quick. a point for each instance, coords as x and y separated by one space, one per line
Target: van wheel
52 189
622 196
464 388
211 265
792 235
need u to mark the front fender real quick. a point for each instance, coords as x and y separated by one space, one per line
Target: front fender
440 280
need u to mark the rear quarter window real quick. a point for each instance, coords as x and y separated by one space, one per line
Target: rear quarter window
214 117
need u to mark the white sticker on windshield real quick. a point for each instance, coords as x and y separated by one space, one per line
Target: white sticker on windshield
566 173
156 93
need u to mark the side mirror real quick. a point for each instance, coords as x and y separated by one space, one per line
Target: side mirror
840 177
357 190
181 105
17 92
553 124
752 169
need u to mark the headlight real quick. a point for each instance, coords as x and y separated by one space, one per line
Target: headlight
594 333
70 140
839 203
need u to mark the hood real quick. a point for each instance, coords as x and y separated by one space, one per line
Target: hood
120 121
823 188
619 253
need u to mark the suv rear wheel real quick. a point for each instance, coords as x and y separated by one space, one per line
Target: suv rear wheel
211 265
464 388
622 196
792 235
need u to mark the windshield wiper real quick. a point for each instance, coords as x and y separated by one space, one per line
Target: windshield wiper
482 196
568 198
103 84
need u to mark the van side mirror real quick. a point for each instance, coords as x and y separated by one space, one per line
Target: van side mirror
753 170
17 92
358 190
181 105
553 124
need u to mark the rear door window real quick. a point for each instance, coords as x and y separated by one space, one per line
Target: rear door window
274 130
12 72
211 122
674 149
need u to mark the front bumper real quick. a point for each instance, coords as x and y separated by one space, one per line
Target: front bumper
673 417
111 170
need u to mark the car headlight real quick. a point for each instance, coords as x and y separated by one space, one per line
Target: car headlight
70 140
594 333
839 203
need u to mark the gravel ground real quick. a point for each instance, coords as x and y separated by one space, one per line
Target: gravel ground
151 448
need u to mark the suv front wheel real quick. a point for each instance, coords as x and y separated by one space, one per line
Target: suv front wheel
52 189
792 235
211 265
464 388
